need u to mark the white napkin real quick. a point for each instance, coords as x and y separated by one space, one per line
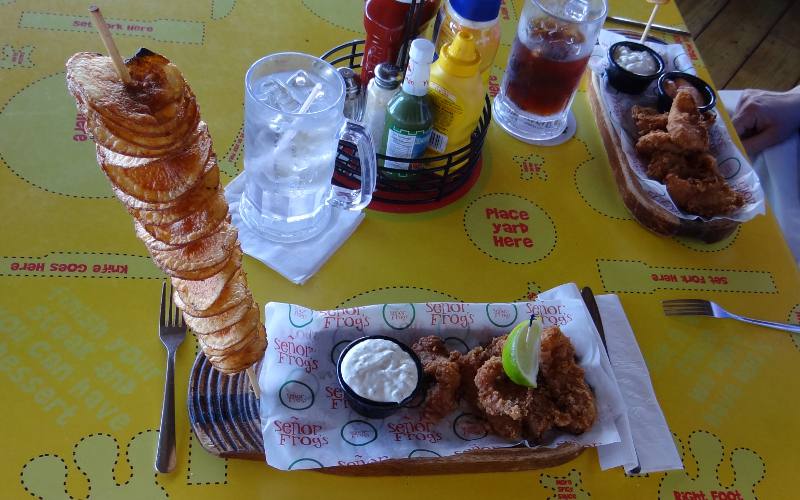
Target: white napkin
294 261
647 442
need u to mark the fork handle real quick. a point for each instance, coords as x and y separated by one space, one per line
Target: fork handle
770 324
165 456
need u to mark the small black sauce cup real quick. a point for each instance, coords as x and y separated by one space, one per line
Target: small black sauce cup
665 101
628 81
367 407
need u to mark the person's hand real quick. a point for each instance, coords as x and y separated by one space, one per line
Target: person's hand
764 118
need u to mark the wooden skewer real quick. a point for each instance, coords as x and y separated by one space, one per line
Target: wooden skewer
657 4
108 41
251 374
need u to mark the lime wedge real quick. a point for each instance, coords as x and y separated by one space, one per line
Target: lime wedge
521 353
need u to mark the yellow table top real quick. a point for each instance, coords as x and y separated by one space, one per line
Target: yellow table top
82 368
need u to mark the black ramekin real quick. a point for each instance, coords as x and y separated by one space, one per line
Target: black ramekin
628 81
665 101
367 407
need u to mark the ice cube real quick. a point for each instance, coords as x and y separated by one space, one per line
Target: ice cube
300 84
576 9
278 125
275 93
300 79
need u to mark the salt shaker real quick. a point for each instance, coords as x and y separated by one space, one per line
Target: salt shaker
353 108
380 90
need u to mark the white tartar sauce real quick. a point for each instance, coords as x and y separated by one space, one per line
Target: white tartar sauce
635 61
379 370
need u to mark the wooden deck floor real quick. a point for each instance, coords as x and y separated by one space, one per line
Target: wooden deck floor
747 43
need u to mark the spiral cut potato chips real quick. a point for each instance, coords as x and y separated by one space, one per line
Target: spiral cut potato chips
158 156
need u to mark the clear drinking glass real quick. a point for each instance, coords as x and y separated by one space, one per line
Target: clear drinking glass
550 52
293 123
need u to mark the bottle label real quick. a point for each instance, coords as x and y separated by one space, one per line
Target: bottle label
445 111
438 141
416 79
405 144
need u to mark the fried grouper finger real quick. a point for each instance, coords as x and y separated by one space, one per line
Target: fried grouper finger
705 197
563 379
648 119
468 365
663 163
561 399
442 376
541 413
503 401
655 142
685 124
441 398
430 348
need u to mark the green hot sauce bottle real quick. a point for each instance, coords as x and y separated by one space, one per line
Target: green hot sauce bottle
409 120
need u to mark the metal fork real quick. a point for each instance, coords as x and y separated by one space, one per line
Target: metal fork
171 331
699 307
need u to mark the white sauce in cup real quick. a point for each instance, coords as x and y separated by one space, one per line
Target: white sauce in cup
636 61
379 370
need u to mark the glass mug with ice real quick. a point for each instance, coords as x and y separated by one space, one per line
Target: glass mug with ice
293 123
554 41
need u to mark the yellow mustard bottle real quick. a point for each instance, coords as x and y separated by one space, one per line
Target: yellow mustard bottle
456 94
480 18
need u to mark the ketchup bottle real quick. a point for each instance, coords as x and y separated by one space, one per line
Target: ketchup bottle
385 23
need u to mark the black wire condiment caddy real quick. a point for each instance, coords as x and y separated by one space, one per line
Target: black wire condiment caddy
429 182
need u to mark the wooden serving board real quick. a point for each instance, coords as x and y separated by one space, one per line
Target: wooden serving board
643 208
224 414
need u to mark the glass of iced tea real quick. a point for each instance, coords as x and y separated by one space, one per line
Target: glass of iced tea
553 44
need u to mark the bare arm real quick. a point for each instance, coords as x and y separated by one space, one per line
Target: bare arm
765 118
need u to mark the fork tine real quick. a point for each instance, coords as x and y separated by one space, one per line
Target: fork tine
687 308
684 302
686 312
163 302
171 307
178 317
